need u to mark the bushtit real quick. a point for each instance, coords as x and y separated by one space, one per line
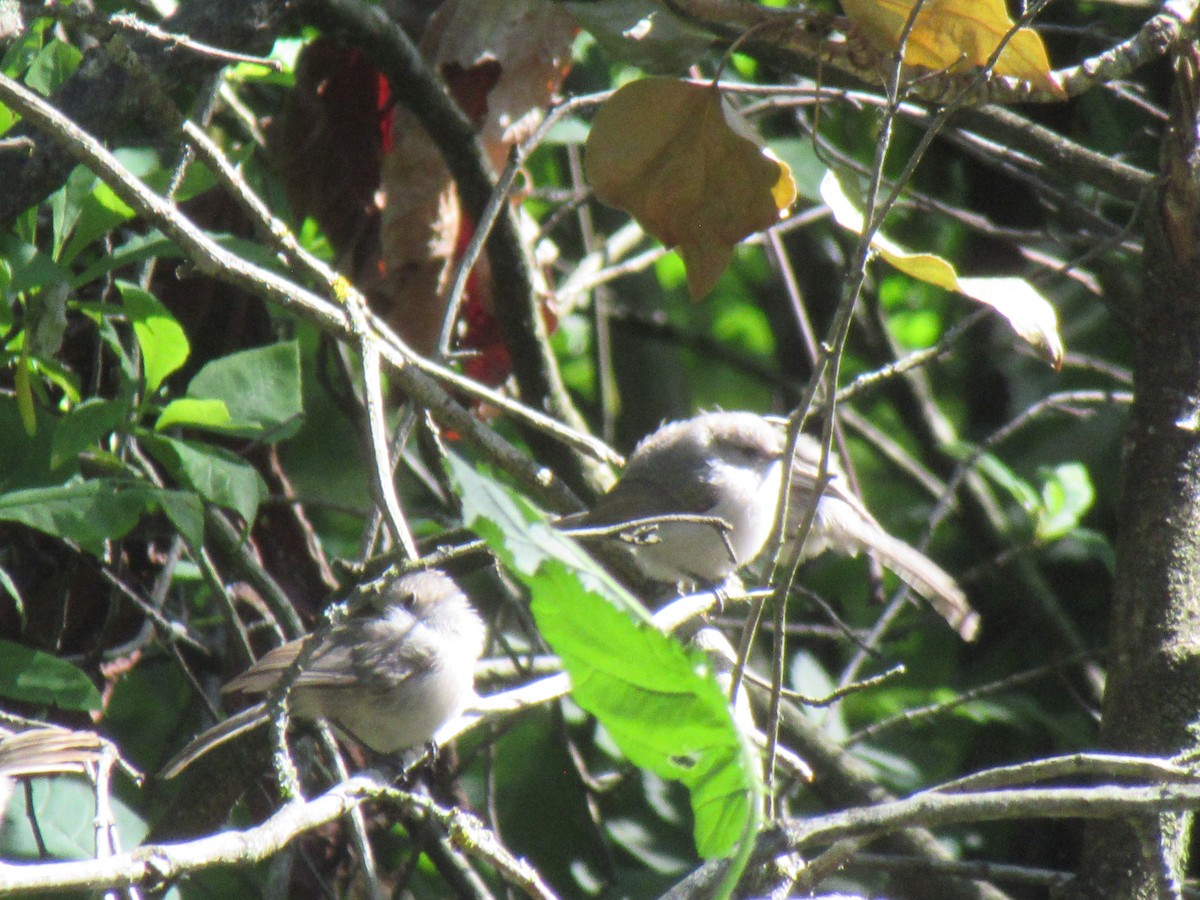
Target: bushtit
718 465
842 524
389 680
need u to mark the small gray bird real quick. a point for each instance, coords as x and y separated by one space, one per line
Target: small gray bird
843 524
388 680
720 465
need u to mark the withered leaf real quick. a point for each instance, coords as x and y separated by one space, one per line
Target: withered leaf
679 160
951 34
1027 311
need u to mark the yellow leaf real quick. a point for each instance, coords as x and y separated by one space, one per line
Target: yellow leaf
953 34
1030 315
1028 312
682 163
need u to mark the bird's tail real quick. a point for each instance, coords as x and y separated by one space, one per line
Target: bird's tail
929 580
247 720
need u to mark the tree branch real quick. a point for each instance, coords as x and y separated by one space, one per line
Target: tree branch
516 306
105 101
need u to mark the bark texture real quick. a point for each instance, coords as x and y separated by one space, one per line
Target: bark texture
1153 693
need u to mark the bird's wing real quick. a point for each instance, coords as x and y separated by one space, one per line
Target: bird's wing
641 498
265 674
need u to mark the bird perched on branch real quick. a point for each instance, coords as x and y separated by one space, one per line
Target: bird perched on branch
696 501
699 497
388 680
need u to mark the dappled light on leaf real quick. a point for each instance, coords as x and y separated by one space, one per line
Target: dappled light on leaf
1027 311
678 159
659 702
954 35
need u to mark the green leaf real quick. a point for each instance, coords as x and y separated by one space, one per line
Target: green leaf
64 809
164 345
32 676
23 388
211 415
91 512
215 474
24 458
31 269
83 427
186 513
135 250
52 66
66 204
1085 544
658 701
259 387
10 587
1020 489
1067 495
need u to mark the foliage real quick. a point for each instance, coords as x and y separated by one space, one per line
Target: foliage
188 459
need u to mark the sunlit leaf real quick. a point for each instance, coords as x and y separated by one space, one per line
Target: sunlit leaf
678 159
253 393
162 340
1027 311
658 701
188 412
953 34
1067 495
8 586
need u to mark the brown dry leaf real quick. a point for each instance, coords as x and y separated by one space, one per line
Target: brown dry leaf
502 63
418 234
679 160
951 34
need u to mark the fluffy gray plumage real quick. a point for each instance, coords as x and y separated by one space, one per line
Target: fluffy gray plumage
388 680
724 465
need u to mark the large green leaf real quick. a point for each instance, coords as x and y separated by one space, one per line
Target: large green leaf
32 676
260 391
52 66
91 512
659 701
82 427
212 472
64 809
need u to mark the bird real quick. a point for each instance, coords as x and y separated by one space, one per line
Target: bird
721 466
388 680
844 525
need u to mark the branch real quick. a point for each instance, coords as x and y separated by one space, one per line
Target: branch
415 375
811 39
105 101
517 311
932 810
157 865
783 37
